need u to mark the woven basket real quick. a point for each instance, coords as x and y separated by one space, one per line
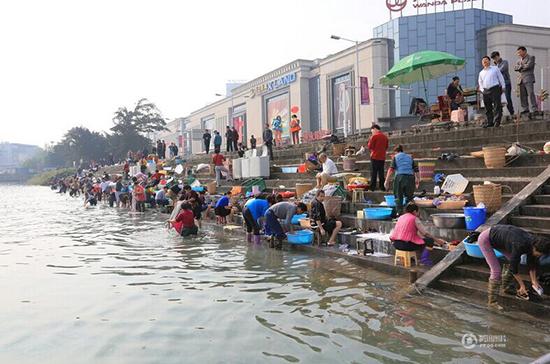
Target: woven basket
495 157
302 188
424 203
490 195
452 205
338 149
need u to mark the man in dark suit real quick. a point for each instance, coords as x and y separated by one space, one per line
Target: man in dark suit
526 80
504 69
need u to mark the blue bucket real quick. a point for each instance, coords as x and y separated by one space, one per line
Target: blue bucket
475 217
390 200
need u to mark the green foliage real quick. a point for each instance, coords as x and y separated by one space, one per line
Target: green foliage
82 144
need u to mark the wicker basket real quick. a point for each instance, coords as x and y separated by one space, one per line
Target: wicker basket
490 195
338 149
452 205
495 157
424 203
302 188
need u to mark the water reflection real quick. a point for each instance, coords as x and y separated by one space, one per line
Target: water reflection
103 286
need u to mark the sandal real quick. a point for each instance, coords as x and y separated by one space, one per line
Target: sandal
524 296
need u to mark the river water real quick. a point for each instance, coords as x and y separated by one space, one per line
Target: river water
98 285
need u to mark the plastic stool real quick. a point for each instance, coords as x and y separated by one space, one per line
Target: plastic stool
406 257
358 194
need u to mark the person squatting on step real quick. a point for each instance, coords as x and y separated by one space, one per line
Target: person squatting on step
512 242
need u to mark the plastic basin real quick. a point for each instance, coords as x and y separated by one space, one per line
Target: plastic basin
377 213
474 251
300 237
289 169
296 219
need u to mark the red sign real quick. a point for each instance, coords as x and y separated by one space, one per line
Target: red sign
396 5
365 95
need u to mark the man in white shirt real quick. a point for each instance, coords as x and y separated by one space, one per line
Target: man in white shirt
491 84
329 169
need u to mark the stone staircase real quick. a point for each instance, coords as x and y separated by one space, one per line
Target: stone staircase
428 145
468 279
535 215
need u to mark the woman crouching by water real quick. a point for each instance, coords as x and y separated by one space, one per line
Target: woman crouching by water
184 223
410 235
512 242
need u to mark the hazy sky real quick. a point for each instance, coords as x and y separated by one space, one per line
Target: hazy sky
68 63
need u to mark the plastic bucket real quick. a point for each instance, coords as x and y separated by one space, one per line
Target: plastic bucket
475 217
390 200
426 170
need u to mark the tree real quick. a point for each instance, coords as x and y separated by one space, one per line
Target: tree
131 127
144 118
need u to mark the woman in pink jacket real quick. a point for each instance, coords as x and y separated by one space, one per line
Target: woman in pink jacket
410 235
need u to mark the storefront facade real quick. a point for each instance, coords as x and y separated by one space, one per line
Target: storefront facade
322 93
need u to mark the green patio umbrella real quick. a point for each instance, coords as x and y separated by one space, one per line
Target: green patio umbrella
422 66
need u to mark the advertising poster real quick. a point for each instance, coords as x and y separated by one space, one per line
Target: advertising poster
341 101
365 95
279 106
239 124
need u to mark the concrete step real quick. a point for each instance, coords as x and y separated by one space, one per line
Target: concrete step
538 231
475 291
546 189
542 199
364 169
479 270
438 134
535 210
531 222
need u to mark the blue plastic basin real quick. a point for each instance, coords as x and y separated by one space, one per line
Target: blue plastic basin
377 213
300 237
296 219
474 251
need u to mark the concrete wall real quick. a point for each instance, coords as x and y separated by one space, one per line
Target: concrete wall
507 38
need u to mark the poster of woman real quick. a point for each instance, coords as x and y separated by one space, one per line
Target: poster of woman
279 106
341 101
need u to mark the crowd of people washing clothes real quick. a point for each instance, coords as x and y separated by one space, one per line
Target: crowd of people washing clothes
270 215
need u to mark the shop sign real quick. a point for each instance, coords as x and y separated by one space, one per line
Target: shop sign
275 84
400 5
396 5
425 4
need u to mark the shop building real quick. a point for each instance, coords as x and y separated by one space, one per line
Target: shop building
324 93
469 34
321 92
